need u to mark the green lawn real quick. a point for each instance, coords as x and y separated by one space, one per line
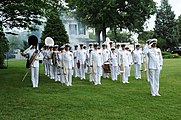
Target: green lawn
84 101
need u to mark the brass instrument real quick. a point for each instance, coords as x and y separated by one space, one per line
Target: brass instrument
33 57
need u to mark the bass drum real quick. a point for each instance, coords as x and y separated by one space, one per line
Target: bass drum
106 68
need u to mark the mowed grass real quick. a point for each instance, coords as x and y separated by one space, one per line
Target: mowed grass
83 101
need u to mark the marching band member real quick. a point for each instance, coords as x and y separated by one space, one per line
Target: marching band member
82 59
61 65
96 63
106 57
130 60
75 53
138 60
50 63
114 64
34 57
54 61
89 51
45 60
69 65
85 64
155 63
123 62
145 60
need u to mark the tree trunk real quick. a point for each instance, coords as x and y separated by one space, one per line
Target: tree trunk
104 33
98 31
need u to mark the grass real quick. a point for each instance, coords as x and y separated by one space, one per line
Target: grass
84 101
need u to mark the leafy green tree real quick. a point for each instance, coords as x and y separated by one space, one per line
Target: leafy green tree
119 36
179 28
55 29
165 25
122 14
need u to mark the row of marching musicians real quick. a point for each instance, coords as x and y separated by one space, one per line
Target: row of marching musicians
61 63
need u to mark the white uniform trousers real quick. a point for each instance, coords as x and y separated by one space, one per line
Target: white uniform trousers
76 73
125 74
82 72
35 76
97 75
55 72
48 68
68 77
137 71
147 72
154 80
51 72
129 71
45 67
114 72
61 75
89 71
105 75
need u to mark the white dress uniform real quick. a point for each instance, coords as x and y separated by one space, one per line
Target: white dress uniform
145 59
96 62
76 73
69 64
45 61
155 63
138 60
34 66
82 59
55 66
89 51
51 65
130 62
61 67
114 66
106 57
124 62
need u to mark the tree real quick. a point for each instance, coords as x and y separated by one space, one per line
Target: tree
165 25
179 28
3 46
55 29
145 35
119 36
113 14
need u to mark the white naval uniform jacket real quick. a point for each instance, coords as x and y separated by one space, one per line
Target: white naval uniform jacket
114 59
96 58
60 59
155 60
82 56
123 58
105 54
36 61
138 56
68 59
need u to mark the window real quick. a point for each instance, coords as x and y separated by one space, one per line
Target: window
73 29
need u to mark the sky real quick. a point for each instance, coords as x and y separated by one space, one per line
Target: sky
176 4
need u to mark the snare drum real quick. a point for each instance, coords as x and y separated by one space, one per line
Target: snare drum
106 68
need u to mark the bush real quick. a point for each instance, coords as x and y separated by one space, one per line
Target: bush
168 56
166 53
